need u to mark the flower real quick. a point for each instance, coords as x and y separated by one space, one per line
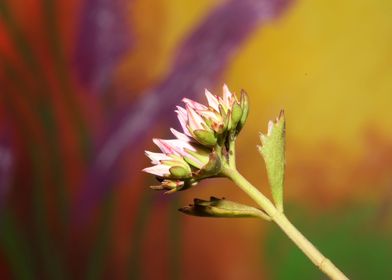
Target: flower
197 153
177 162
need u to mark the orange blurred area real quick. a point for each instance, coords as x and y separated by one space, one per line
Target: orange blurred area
86 85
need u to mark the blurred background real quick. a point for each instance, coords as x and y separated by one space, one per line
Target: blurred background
85 85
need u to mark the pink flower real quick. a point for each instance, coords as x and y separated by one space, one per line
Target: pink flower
192 154
179 153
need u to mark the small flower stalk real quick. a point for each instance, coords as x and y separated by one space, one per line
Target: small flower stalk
206 149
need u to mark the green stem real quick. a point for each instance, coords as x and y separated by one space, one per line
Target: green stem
232 152
324 264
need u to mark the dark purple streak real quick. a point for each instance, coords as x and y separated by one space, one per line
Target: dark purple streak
102 40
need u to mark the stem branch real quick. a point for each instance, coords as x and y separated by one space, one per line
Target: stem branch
324 264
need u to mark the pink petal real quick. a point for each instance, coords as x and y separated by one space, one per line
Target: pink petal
227 96
159 170
210 115
164 147
195 105
173 146
178 145
180 136
183 118
212 100
194 119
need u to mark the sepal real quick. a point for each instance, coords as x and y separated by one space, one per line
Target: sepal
213 166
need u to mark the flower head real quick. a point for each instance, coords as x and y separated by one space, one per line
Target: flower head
197 152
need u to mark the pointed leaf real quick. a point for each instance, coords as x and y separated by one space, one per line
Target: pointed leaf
273 152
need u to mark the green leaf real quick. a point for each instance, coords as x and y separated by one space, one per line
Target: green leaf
222 208
273 152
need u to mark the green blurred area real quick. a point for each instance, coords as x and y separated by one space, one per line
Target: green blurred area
356 238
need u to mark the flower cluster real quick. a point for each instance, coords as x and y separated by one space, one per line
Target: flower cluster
201 149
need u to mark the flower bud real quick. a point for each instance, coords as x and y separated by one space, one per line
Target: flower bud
244 103
180 172
236 115
205 137
171 186
222 208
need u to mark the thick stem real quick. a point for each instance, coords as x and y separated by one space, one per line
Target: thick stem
324 264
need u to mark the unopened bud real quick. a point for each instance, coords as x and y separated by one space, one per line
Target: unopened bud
205 137
236 115
244 103
180 172
171 186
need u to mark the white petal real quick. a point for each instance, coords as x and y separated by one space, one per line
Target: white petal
210 115
173 146
195 105
223 103
178 146
156 157
183 118
194 119
159 170
164 147
212 100
227 96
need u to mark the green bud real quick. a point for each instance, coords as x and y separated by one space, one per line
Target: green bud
222 208
236 114
244 103
180 172
205 137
